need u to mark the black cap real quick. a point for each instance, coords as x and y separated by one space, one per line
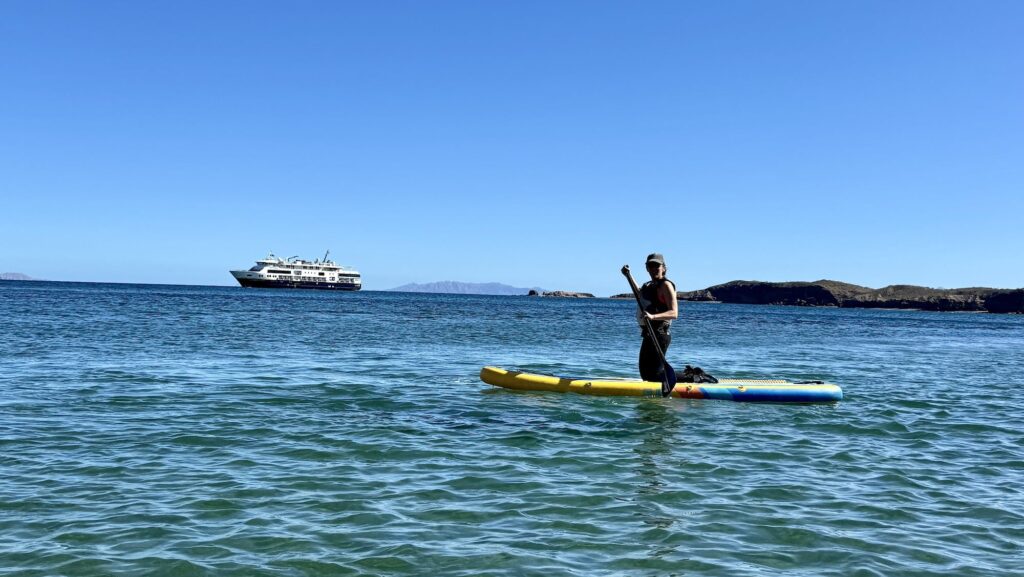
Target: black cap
656 257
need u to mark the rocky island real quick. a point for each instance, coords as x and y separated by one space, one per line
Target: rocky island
561 294
831 293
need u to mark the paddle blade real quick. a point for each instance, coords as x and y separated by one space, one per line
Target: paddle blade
669 381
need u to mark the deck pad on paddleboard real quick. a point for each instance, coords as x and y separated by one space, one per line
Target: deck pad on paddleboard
743 390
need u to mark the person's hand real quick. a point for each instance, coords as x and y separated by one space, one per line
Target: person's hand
625 269
649 316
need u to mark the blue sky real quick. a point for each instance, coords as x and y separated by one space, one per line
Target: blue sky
530 143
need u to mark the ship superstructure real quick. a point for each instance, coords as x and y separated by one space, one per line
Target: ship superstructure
293 272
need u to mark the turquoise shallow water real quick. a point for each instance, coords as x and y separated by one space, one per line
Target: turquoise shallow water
166 430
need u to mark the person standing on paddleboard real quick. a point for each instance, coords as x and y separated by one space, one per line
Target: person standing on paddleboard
660 305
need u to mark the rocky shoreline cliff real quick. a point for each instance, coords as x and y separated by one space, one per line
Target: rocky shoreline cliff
830 293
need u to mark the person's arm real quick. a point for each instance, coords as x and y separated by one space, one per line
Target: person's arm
668 290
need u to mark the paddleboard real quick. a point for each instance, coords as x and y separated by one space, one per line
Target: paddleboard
743 390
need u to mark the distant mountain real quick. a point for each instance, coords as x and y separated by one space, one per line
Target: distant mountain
464 288
14 276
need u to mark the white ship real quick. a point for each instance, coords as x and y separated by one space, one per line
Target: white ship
293 272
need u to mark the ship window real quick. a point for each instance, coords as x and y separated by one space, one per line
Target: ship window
272 271
321 274
254 269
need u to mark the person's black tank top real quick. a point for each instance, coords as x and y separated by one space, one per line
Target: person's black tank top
655 303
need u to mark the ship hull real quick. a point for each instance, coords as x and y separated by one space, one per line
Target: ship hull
282 284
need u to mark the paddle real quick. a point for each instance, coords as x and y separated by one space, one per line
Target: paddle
669 380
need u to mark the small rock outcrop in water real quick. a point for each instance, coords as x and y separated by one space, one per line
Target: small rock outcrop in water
700 295
840 294
563 294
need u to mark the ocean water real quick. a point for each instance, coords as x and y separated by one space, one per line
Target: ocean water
172 430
